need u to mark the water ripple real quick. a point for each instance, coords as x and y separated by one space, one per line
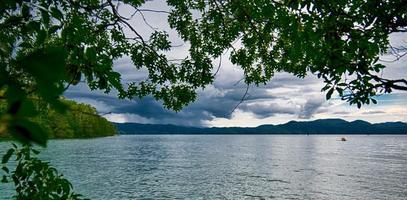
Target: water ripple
232 167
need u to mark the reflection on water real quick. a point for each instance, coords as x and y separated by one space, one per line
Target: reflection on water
232 167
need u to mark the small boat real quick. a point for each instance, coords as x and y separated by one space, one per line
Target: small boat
343 139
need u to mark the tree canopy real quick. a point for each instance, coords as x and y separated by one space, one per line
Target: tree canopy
339 41
79 121
48 45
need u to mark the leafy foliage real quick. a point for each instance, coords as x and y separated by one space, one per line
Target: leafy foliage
48 45
339 41
33 178
79 121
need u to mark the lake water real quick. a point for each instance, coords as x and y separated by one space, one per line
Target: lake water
232 167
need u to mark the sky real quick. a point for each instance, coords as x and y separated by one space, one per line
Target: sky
284 98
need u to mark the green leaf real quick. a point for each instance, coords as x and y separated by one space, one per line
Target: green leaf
7 156
42 35
329 93
25 11
340 91
374 101
53 29
35 151
56 13
114 79
90 54
325 87
27 131
5 169
26 109
45 16
47 67
4 179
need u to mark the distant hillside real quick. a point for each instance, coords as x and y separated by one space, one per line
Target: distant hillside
322 126
80 121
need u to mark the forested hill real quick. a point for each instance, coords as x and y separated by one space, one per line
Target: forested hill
80 121
322 126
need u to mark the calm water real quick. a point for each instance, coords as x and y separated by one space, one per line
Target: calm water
232 167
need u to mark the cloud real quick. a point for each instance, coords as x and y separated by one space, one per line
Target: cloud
373 112
341 113
264 110
310 108
100 105
127 117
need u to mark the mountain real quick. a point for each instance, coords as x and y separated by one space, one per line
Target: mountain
320 126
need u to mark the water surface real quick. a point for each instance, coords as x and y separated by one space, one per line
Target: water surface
232 166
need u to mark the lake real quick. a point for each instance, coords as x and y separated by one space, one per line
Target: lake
232 166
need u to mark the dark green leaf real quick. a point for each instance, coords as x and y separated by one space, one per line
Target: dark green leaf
25 11
374 101
7 156
56 13
53 29
4 179
27 131
42 34
35 151
326 87
90 54
45 16
329 93
5 169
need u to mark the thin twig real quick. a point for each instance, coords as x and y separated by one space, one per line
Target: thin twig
241 100
145 21
219 65
237 82
155 11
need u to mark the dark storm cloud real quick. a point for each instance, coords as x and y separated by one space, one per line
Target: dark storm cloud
146 107
268 110
216 101
205 108
219 103
212 103
310 108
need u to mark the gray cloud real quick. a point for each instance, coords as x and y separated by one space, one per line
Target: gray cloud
341 113
212 103
373 112
270 109
310 108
